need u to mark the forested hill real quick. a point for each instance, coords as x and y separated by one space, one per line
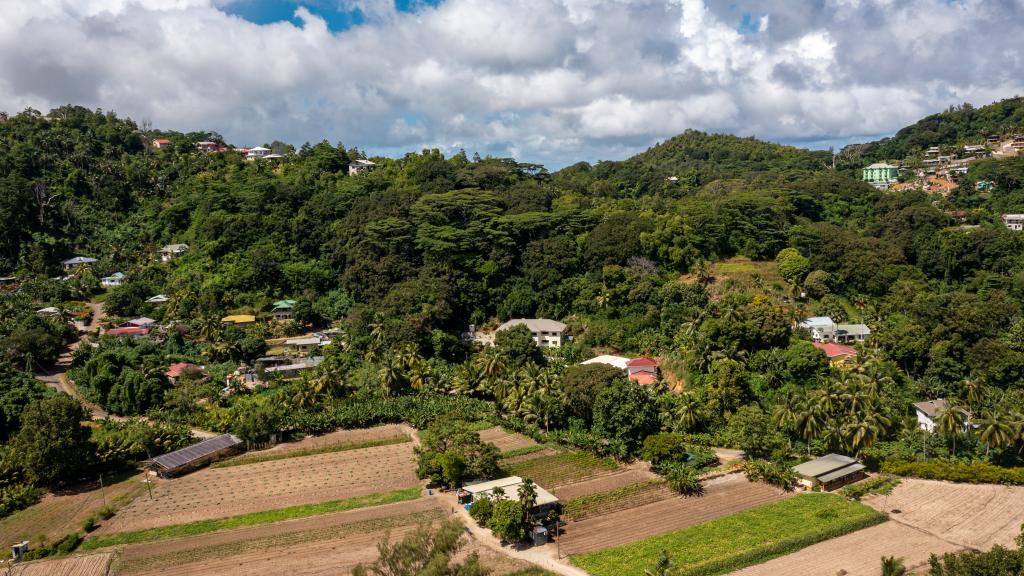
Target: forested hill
956 126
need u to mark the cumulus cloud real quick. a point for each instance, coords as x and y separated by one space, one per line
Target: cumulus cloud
551 81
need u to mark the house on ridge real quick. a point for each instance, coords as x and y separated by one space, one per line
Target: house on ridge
360 166
546 333
172 251
928 413
76 262
112 281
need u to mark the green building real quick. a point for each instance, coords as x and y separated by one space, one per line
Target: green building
880 173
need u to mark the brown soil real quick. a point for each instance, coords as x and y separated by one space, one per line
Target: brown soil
604 483
856 554
338 437
505 440
89 565
722 497
530 456
972 515
221 492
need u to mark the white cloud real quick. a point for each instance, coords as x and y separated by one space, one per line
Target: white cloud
553 81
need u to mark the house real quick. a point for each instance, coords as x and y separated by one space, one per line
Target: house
175 372
830 472
978 150
983 185
509 490
50 312
306 344
880 174
1013 221
8 281
128 332
643 371
77 261
207 146
158 299
160 143
360 166
257 152
929 411
294 369
142 322
195 456
837 354
546 333
619 362
239 319
823 329
933 151
851 333
114 280
282 309
172 251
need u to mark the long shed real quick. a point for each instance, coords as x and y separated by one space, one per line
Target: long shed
192 457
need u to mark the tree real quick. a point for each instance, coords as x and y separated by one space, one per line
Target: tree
527 493
464 454
507 521
52 446
818 284
792 265
625 411
753 431
663 448
583 383
995 429
892 566
517 346
951 422
425 552
481 510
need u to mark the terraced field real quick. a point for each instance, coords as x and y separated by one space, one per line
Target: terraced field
86 565
505 440
562 468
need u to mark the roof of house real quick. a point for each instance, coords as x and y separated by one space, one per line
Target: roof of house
308 341
362 162
177 369
854 329
535 324
511 487
260 148
644 378
643 361
282 304
833 350
115 275
127 331
79 260
820 468
48 310
619 362
844 471
174 248
882 165
195 452
157 299
301 364
816 322
161 140
142 322
239 319
931 408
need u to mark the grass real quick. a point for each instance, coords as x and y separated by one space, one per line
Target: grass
743 539
251 519
524 450
560 468
602 502
271 456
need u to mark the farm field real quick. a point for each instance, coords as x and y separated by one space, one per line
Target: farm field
631 475
59 514
341 437
856 554
505 440
722 497
560 468
972 515
221 492
731 542
86 565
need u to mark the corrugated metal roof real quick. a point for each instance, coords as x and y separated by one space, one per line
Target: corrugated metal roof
824 465
841 472
196 451
535 324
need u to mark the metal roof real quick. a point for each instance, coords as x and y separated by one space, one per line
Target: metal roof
511 486
616 361
820 467
931 408
196 451
535 324
846 471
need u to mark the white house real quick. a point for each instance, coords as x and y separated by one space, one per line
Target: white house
929 412
158 299
823 329
360 166
172 251
257 152
1013 221
72 263
546 333
115 279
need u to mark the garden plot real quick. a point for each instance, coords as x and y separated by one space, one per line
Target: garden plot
505 440
613 481
856 554
221 492
722 496
342 438
560 468
972 515
88 565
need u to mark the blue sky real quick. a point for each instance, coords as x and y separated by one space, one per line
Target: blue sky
546 81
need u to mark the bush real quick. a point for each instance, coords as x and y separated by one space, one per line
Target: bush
769 472
90 524
16 497
663 448
876 485
974 473
506 521
65 545
107 512
481 510
684 480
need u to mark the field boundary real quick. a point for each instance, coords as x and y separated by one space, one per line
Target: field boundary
245 459
251 519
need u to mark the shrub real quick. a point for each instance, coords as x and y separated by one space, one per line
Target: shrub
770 472
481 510
684 480
506 521
14 497
90 524
107 512
663 448
65 545
974 473
876 485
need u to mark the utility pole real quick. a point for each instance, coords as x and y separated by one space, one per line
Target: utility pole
103 492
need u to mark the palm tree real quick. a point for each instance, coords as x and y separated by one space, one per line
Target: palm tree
951 422
391 378
687 411
527 497
811 420
975 392
702 269
995 429
786 413
892 566
420 375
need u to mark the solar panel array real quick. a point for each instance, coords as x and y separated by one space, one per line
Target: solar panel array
196 451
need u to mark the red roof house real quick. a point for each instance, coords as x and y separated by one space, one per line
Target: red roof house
176 371
836 351
644 378
128 331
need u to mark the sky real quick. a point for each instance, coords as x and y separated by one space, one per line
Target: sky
546 81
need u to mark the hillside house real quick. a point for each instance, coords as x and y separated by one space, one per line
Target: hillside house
8 281
305 345
360 166
976 150
172 251
77 262
983 185
546 333
158 300
257 153
114 280
880 174
141 322
1014 222
830 472
823 329
282 309
127 332
928 413
161 143
50 312
175 372
619 362
295 369
239 319
837 354
207 146
933 151
643 371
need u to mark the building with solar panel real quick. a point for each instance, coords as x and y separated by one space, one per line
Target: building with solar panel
195 456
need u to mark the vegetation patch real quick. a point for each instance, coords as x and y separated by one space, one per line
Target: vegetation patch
604 502
973 473
524 450
875 485
271 456
733 542
561 468
266 517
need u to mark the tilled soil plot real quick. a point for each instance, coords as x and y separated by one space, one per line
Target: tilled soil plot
604 483
505 440
856 554
88 565
722 497
339 437
972 515
221 492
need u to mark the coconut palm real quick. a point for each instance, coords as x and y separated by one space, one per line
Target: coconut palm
996 429
391 378
687 411
786 413
892 566
951 422
812 420
527 497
